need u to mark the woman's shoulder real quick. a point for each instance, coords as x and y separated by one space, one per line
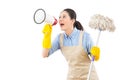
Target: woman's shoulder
58 35
86 34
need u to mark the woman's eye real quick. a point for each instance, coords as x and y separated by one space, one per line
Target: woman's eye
59 17
64 16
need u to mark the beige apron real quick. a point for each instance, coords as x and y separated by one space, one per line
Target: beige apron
78 61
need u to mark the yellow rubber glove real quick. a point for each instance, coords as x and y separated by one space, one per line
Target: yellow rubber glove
95 51
47 36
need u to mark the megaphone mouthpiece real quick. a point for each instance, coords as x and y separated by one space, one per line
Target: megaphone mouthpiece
55 22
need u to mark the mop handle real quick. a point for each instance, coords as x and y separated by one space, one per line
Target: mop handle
92 60
91 64
98 37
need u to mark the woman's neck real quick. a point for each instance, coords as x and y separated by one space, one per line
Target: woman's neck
69 31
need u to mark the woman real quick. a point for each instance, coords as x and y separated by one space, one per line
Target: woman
74 43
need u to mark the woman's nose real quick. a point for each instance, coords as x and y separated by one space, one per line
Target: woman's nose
60 19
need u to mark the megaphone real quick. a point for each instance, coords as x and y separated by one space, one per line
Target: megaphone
40 16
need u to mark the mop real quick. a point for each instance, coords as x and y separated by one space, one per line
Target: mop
101 23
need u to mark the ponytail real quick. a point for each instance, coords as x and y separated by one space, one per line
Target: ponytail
78 25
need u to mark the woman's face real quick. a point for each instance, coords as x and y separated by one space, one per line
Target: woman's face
65 21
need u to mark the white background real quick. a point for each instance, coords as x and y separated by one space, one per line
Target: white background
21 38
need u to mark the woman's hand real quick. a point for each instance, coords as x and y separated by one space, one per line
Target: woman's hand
47 30
95 51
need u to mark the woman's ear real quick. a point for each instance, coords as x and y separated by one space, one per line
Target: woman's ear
73 20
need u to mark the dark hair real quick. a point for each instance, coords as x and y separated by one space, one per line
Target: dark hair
72 15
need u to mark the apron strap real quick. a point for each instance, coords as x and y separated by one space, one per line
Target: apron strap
81 38
61 39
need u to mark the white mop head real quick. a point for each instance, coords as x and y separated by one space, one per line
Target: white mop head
102 23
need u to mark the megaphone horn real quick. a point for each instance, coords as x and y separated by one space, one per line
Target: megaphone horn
40 16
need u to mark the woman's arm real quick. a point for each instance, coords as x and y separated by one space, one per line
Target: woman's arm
47 30
45 52
54 47
87 42
92 49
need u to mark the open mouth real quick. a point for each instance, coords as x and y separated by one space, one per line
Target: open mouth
61 24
